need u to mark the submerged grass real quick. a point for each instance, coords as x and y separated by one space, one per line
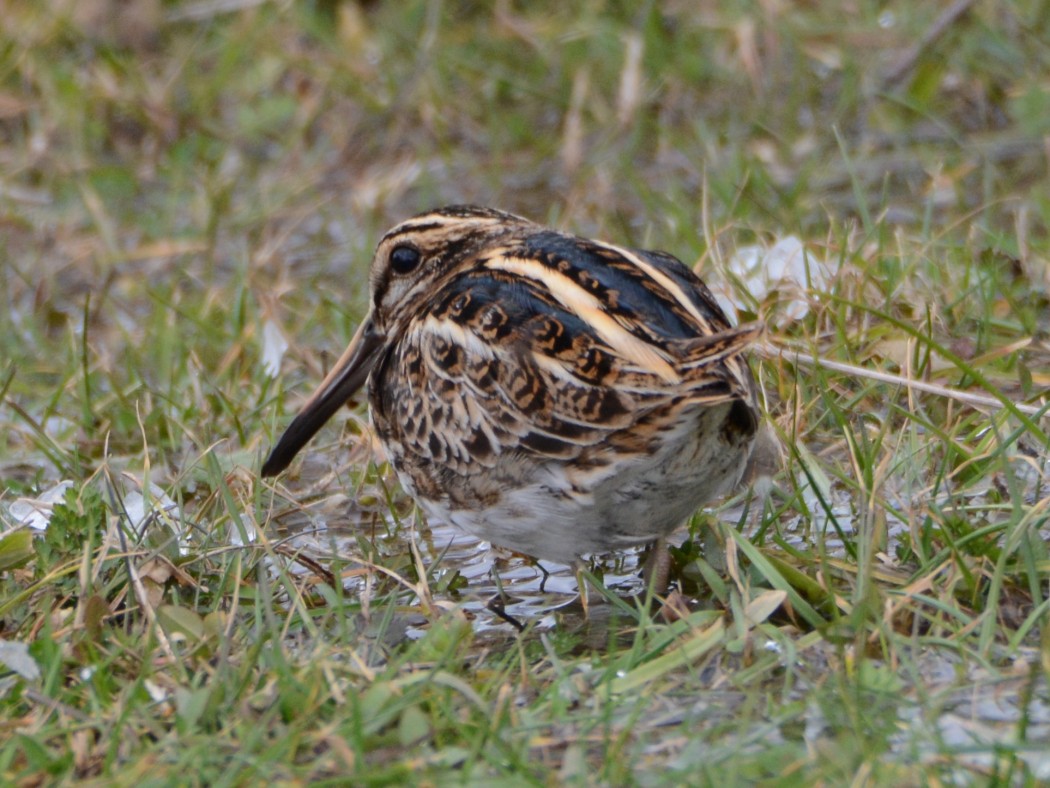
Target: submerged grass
184 183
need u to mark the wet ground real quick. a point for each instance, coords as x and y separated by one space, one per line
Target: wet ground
942 703
462 568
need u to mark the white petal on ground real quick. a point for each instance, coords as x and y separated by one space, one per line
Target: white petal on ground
249 532
785 269
135 505
273 347
36 512
162 509
156 692
15 656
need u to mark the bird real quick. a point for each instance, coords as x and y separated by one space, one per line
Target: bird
550 394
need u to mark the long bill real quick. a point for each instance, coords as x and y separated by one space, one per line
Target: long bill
346 377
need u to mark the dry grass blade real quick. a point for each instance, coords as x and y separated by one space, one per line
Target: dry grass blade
798 356
204 167
944 21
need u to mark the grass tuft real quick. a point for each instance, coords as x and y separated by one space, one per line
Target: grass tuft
182 182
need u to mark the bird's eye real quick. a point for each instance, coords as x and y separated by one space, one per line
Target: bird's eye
404 259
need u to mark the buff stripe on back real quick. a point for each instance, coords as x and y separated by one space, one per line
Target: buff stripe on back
589 309
654 273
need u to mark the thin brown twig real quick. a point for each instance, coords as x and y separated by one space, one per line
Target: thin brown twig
938 28
208 9
970 398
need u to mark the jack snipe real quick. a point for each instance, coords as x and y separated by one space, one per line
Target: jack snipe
550 394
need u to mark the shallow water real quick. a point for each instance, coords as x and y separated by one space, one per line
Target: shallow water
532 592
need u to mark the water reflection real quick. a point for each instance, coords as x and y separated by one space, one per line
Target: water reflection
339 529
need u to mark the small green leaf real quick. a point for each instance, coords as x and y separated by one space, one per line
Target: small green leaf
16 549
762 606
683 653
189 706
413 726
181 620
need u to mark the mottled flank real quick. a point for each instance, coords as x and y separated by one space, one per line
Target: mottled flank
551 394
